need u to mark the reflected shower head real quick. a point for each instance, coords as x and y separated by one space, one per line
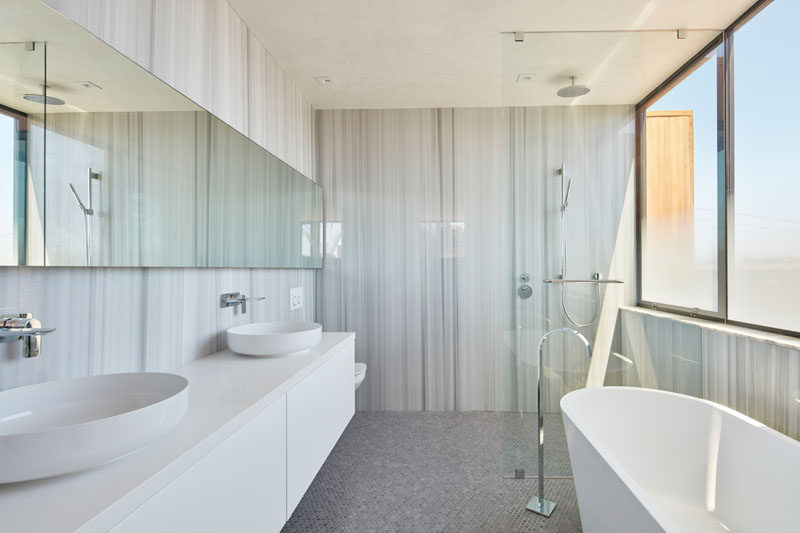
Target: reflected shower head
42 98
572 90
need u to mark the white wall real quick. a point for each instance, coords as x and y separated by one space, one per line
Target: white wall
441 211
754 372
118 319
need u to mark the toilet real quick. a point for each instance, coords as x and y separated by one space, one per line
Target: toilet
361 372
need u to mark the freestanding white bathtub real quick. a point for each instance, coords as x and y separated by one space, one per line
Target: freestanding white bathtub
646 460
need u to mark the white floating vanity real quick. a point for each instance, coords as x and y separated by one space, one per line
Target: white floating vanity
255 434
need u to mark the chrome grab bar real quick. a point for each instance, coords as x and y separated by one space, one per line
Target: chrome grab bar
559 280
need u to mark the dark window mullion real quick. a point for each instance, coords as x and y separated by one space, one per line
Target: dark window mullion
725 179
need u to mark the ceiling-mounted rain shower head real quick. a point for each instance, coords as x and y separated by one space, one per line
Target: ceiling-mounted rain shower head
42 99
572 90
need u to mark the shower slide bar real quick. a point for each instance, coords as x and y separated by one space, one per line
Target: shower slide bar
559 280
87 212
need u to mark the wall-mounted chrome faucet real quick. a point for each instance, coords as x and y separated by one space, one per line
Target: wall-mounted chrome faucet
23 327
231 299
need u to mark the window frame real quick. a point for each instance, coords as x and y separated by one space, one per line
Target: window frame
725 181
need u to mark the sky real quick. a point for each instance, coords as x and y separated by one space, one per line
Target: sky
766 135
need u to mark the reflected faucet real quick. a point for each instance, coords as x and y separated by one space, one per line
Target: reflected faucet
539 504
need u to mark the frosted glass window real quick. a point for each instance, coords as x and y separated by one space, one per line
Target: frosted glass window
683 166
764 243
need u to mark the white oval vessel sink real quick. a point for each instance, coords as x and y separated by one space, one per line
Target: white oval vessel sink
274 338
69 425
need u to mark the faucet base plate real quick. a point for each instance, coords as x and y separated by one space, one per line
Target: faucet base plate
541 506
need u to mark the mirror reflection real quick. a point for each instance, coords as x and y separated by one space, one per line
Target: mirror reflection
102 164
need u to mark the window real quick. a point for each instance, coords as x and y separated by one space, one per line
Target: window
764 244
719 191
682 168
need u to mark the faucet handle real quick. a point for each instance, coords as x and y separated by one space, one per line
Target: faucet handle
229 299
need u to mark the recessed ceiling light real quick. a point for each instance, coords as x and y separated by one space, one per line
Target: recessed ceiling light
526 78
88 85
325 81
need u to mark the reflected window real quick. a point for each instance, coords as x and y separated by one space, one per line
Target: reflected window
333 240
305 239
12 187
449 234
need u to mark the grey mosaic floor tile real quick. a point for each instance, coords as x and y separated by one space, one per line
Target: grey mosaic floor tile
425 471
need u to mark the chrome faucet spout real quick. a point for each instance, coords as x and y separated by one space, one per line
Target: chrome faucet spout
570 331
231 299
23 327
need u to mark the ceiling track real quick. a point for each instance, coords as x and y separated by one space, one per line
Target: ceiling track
670 30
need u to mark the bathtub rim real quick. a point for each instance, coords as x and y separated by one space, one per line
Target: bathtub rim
661 517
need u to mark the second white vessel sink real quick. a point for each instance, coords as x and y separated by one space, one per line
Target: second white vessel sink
64 426
274 338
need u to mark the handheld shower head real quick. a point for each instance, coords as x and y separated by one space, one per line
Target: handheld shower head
80 203
566 196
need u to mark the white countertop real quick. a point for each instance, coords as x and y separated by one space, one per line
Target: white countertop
226 391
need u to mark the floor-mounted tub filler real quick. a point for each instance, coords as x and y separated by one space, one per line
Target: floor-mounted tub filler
539 504
648 461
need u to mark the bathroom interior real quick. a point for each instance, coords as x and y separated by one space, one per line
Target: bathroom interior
399 266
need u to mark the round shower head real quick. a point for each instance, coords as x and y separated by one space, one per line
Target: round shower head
572 90
42 99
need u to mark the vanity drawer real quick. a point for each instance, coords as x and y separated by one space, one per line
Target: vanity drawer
239 486
318 410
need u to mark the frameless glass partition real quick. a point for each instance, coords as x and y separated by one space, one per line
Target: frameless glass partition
122 170
571 152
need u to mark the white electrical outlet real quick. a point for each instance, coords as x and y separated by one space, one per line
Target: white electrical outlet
296 297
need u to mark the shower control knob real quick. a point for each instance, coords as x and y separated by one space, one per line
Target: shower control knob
525 291
525 277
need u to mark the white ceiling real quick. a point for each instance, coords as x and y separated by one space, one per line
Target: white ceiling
620 68
453 53
73 55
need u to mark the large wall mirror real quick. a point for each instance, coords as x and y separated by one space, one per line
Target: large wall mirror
103 164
